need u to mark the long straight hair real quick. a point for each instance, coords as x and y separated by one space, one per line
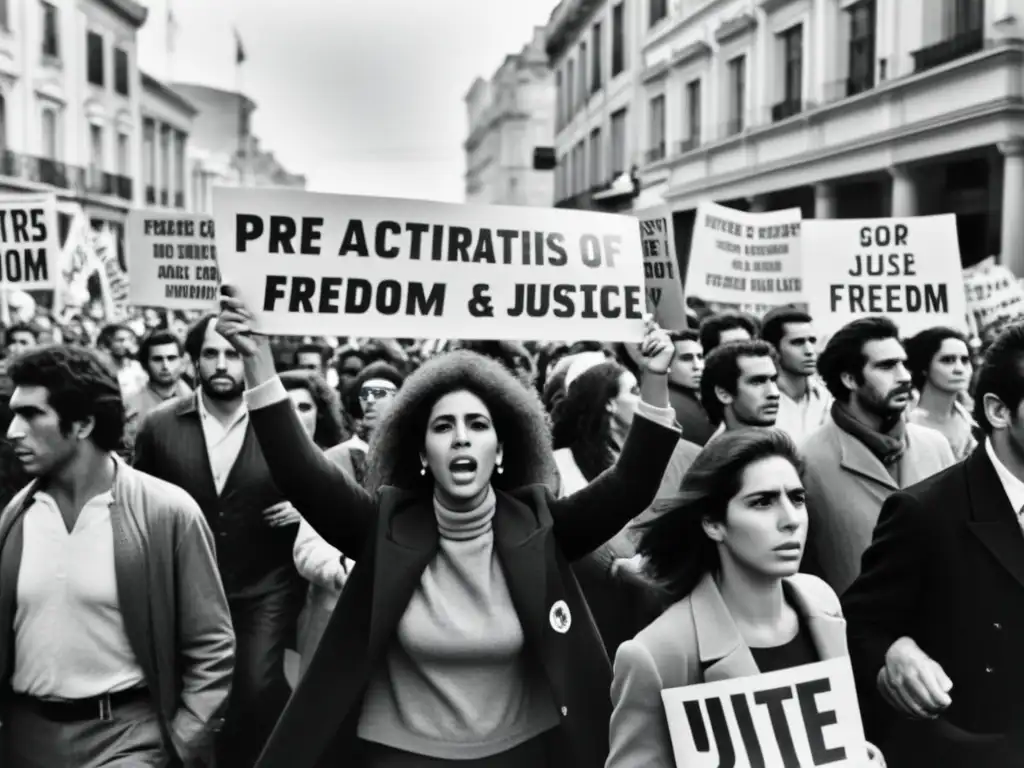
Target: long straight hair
676 550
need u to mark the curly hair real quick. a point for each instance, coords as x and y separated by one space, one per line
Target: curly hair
81 385
328 432
582 423
519 419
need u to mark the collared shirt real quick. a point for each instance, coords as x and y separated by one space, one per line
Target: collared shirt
69 635
798 418
223 441
1012 484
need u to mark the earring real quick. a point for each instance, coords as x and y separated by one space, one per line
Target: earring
423 471
500 469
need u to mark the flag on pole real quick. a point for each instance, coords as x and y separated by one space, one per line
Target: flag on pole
239 50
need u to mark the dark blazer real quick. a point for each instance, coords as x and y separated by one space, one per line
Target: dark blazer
393 537
946 568
253 556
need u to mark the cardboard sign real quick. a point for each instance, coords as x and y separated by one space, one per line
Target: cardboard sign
29 243
906 269
172 258
309 263
994 298
796 718
743 261
661 269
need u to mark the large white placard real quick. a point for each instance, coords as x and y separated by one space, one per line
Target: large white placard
29 243
800 717
309 263
907 269
172 260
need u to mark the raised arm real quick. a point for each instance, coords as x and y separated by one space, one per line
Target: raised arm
588 518
338 509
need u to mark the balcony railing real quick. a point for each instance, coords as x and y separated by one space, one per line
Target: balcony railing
950 49
150 194
124 187
688 145
655 153
179 199
786 109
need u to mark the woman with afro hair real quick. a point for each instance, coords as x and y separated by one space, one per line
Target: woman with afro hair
461 637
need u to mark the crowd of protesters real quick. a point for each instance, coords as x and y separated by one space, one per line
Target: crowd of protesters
499 554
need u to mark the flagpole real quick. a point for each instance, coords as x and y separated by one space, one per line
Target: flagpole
243 149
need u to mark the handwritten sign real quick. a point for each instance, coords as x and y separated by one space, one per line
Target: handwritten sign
309 263
749 262
907 269
172 258
661 269
795 718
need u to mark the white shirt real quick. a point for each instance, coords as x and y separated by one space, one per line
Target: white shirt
69 636
798 418
223 441
1012 484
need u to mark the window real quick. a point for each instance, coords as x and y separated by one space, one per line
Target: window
94 58
597 73
579 165
569 178
51 144
618 143
793 66
165 163
657 10
51 31
692 114
961 17
737 97
596 151
149 153
121 72
583 75
5 15
95 150
559 96
656 129
861 18
179 168
618 40
570 91
123 155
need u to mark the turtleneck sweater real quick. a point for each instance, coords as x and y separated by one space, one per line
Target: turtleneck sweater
455 683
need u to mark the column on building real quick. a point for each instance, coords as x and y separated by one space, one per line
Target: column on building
904 192
1012 234
824 200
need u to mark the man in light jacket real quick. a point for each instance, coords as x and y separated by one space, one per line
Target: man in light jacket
116 643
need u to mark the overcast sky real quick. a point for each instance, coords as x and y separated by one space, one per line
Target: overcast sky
362 96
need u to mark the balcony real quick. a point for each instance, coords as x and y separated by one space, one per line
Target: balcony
150 194
654 154
164 197
687 145
179 199
950 49
786 109
98 182
124 187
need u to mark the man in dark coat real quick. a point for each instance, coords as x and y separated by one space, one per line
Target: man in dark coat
936 617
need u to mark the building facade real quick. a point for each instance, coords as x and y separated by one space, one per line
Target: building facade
594 50
166 124
844 108
510 116
223 149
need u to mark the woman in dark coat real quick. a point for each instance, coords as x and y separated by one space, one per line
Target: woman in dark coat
461 637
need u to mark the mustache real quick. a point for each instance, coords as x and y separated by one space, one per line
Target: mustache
904 390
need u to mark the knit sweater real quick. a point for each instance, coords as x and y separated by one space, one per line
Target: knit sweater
455 683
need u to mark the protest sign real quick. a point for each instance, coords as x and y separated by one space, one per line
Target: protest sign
30 243
795 718
994 297
906 269
172 259
113 279
743 261
661 269
309 263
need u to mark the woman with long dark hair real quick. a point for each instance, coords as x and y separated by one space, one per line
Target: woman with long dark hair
725 555
461 636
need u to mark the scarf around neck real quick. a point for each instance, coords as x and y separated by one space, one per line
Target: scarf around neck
888 446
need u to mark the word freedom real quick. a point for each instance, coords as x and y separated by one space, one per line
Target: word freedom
22 228
421 241
356 296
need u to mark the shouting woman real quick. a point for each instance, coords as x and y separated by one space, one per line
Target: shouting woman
461 637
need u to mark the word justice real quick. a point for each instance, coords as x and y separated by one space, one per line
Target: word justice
421 241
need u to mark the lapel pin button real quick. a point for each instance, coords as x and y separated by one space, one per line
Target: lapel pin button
559 617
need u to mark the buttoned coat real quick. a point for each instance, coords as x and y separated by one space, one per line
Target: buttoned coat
696 641
393 537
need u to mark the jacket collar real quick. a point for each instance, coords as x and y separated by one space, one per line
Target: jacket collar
856 457
722 652
187 405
